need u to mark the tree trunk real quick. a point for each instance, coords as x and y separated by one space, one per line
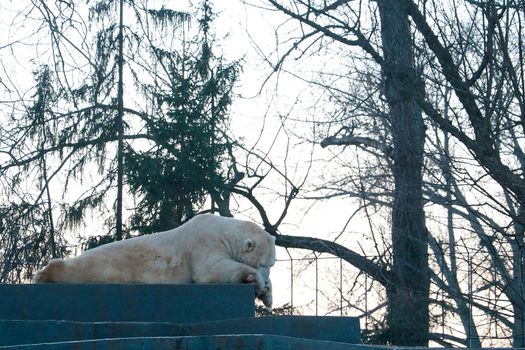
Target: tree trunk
408 295
516 290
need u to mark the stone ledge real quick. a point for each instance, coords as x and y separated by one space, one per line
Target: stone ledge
333 328
133 316
185 303
233 342
18 332
338 329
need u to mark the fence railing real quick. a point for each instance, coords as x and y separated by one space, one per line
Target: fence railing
475 310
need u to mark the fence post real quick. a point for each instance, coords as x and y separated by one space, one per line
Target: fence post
366 301
340 287
521 289
316 285
470 298
442 295
291 281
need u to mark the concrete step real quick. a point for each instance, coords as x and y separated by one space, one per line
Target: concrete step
126 302
338 329
111 316
333 328
220 342
16 332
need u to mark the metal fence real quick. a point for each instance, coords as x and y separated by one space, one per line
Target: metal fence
327 285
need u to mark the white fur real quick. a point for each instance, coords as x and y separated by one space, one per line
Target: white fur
206 249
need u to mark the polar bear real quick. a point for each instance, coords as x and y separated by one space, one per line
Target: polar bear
206 249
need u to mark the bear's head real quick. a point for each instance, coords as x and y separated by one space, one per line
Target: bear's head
258 249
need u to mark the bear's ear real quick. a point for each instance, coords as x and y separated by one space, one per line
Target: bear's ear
248 245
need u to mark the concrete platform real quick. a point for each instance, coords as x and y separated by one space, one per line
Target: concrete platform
90 316
226 342
17 332
126 302
339 329
333 328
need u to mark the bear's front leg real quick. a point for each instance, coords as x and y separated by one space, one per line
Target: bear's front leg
265 294
263 290
230 271
266 297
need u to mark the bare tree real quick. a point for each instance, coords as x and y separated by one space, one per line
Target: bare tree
474 50
407 295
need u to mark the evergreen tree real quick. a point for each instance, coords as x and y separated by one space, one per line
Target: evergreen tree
175 175
28 232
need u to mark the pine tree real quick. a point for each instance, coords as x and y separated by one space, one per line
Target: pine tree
174 177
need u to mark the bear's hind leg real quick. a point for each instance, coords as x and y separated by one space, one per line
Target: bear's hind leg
50 273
